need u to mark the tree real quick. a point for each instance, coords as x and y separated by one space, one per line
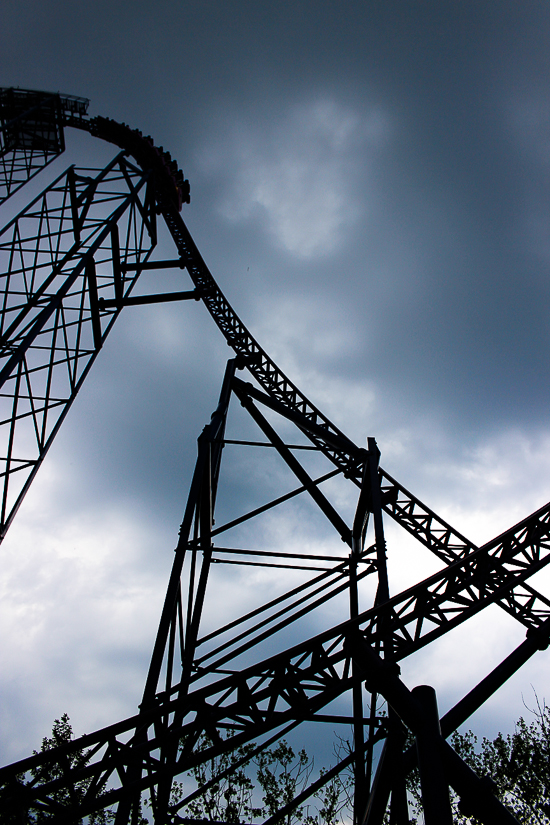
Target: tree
224 789
518 764
235 787
281 777
62 733
248 783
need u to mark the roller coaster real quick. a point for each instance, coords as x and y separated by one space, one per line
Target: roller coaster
71 259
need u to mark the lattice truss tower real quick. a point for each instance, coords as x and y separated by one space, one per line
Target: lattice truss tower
69 263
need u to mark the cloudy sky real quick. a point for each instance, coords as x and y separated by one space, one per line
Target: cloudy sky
370 188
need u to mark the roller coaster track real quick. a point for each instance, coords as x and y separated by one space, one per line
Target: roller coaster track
73 257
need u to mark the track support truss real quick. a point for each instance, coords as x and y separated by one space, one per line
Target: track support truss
234 672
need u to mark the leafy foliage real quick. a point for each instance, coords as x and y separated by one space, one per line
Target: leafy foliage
248 783
226 790
51 770
62 733
241 785
518 763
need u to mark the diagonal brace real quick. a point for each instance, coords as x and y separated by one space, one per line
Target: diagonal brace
304 477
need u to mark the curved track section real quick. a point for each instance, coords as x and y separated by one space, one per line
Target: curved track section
172 191
202 697
282 395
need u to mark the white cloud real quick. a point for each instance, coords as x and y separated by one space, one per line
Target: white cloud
304 329
298 173
481 491
494 482
79 609
79 606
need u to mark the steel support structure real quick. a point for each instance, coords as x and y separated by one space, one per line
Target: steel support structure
72 258
59 258
186 697
32 133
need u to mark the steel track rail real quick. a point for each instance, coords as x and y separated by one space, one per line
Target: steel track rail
294 684
414 516
527 605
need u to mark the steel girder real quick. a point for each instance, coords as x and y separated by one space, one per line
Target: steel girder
413 515
59 258
31 133
67 278
282 396
291 687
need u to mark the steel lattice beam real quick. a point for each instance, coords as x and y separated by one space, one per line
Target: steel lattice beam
295 685
71 261
58 258
32 134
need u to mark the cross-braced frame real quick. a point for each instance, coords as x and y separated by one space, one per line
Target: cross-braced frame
273 667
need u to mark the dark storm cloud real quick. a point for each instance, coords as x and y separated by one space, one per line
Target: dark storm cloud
370 187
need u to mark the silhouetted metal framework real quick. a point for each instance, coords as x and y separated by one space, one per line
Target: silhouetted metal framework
72 258
31 133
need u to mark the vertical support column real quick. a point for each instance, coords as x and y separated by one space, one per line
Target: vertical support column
399 808
94 302
433 781
208 462
379 791
369 500
203 517
362 781
198 518
74 204
383 593
369 751
117 269
211 445
389 780
151 211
